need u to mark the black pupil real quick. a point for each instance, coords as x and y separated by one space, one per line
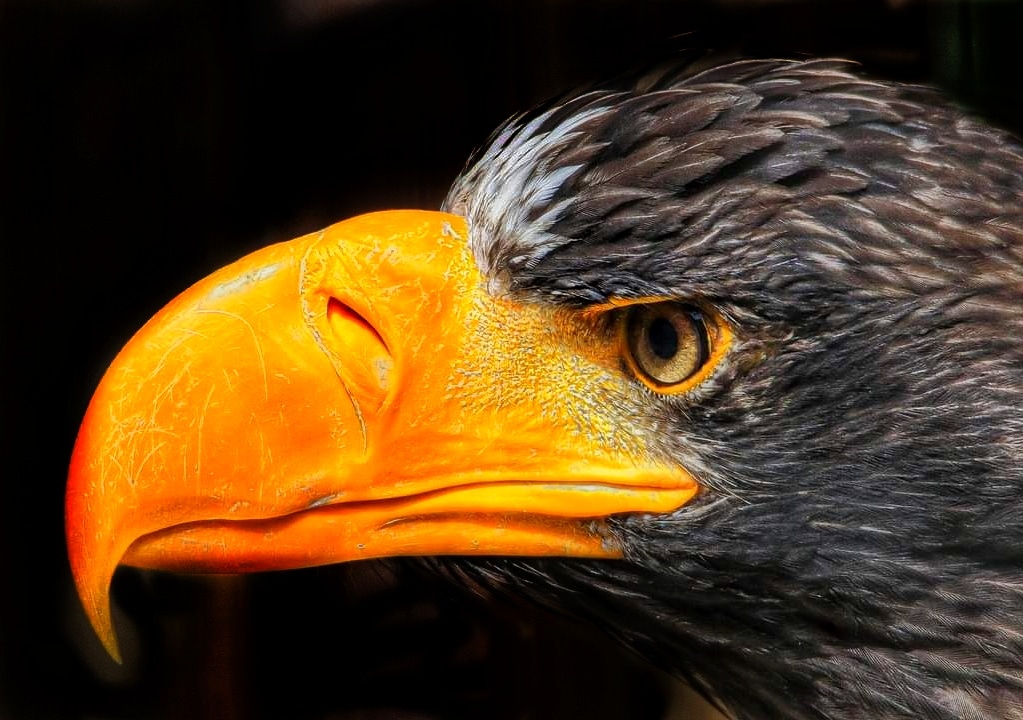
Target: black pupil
663 338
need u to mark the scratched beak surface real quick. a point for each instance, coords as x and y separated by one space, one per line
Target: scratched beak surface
353 393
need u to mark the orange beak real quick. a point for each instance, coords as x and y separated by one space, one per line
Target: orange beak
357 393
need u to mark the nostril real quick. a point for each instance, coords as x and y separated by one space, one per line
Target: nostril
343 315
365 358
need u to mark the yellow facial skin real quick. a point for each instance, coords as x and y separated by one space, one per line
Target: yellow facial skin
357 393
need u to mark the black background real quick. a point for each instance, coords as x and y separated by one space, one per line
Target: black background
145 143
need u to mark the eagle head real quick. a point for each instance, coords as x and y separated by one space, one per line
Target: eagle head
729 362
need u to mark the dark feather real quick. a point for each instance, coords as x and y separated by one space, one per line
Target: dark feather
858 548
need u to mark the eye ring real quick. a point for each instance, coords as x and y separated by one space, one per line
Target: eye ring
671 347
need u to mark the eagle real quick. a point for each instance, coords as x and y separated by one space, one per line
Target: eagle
726 360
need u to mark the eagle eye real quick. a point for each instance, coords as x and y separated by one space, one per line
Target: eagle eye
666 343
